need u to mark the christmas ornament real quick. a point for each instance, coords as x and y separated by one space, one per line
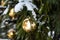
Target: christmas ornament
28 25
12 14
2 3
11 33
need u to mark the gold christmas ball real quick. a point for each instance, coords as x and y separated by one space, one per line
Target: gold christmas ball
11 33
2 3
12 14
28 25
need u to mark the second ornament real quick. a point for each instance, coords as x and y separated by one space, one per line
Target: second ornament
12 14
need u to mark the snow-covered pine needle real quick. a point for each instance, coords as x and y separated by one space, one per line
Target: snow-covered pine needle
30 7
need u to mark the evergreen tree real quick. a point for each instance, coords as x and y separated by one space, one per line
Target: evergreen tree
30 19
